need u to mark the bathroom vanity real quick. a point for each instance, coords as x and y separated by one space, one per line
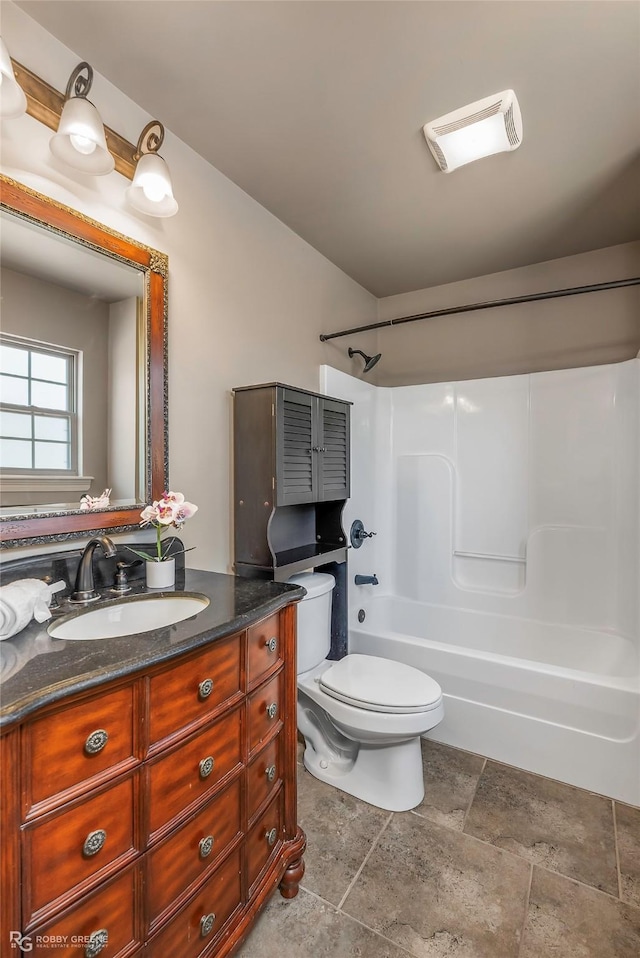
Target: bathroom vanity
149 781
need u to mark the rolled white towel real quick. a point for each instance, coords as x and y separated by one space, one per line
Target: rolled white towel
22 601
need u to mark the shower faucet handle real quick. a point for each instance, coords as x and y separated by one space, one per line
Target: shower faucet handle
358 533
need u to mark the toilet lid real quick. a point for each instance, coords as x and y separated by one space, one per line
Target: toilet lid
380 685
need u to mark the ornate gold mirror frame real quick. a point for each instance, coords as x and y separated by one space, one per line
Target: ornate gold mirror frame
31 529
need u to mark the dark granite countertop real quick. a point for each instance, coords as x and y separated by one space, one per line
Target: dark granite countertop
36 669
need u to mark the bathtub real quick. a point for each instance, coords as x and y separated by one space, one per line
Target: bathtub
559 701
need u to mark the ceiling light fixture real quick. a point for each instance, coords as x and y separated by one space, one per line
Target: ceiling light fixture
151 191
488 126
80 141
13 102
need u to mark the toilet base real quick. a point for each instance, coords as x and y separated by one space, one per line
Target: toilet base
387 776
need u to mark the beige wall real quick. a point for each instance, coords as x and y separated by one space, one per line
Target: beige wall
39 310
247 297
583 330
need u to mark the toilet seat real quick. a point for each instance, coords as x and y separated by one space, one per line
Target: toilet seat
380 685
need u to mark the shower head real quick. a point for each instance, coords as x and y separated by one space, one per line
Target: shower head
369 361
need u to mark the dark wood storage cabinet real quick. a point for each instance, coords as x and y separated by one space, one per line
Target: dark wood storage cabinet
292 470
155 814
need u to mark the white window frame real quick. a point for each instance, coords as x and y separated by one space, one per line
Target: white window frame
40 480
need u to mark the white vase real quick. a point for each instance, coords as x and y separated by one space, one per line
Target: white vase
161 575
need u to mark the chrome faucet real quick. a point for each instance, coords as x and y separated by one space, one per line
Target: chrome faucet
84 590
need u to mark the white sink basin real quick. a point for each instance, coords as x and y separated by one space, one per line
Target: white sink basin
141 613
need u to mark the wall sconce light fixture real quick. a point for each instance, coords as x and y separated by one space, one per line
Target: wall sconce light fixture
151 191
13 102
80 141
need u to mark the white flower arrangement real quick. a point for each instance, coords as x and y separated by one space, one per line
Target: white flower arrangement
171 510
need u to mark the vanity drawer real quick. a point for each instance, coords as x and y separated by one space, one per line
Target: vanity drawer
75 745
263 775
72 848
184 693
263 647
264 838
194 927
193 849
265 710
179 779
112 911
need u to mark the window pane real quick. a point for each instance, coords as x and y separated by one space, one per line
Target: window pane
48 395
14 390
15 424
50 427
52 455
14 360
15 454
49 367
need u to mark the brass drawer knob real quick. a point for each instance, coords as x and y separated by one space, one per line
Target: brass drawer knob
205 845
271 836
94 842
272 643
270 772
205 689
97 941
272 710
96 741
206 924
206 766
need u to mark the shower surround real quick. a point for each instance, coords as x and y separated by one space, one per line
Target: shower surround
508 557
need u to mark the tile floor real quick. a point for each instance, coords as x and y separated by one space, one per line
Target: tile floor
495 863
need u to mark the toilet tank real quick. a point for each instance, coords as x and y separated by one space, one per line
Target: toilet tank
314 618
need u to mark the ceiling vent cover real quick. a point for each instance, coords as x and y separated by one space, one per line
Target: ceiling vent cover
492 125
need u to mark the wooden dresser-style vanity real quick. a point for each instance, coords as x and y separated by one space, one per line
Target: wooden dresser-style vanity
154 813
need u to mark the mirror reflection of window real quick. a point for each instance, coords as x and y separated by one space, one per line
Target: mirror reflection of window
74 373
38 407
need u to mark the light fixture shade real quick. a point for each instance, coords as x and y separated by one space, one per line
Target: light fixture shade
80 141
13 102
488 126
151 191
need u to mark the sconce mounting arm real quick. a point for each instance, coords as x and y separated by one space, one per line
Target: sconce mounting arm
79 83
150 141
44 103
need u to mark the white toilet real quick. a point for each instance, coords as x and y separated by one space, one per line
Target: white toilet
361 716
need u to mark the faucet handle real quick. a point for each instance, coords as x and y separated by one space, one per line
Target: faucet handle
121 583
358 533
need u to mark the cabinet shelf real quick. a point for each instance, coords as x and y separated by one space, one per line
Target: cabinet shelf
291 561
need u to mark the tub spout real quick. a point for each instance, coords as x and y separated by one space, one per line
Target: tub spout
366 579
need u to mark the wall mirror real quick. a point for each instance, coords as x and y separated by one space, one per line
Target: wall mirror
83 372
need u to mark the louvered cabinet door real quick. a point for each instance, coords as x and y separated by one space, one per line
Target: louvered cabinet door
296 455
333 458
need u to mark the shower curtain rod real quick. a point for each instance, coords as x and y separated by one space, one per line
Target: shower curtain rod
491 304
